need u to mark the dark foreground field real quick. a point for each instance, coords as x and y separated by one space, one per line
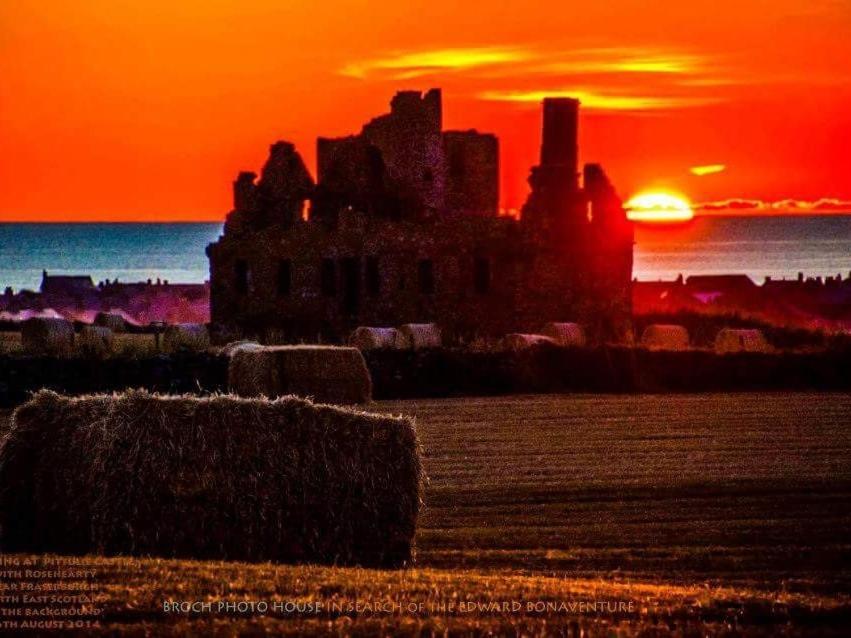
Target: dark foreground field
577 515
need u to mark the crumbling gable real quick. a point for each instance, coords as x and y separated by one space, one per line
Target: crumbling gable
278 198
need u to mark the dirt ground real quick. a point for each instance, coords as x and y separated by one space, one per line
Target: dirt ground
688 515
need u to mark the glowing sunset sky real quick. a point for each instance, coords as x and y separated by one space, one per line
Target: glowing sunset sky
146 109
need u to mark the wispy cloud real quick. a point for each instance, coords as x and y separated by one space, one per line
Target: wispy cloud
599 101
524 61
632 60
708 169
404 65
603 78
824 205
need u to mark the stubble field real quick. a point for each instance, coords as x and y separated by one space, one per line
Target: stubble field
671 515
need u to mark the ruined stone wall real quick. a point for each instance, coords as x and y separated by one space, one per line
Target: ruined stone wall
472 172
382 248
352 173
395 166
526 285
277 198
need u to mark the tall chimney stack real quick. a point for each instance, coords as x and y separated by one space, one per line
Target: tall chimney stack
559 145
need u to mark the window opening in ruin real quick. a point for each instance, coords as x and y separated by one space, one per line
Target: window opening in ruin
328 277
373 277
482 275
350 273
285 277
426 276
241 276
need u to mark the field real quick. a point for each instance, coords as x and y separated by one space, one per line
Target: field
124 344
673 515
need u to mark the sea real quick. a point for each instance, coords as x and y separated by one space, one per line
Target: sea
760 247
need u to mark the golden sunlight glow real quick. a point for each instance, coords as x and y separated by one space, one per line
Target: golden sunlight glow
597 101
415 64
709 169
618 60
659 207
659 64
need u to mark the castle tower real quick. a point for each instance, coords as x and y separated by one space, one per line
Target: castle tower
559 145
555 201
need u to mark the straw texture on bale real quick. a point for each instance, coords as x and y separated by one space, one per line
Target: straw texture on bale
328 374
114 322
665 337
95 340
186 336
518 341
368 338
741 340
418 336
565 333
47 335
209 478
231 348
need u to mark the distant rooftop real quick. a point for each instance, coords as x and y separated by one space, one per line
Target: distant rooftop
718 282
69 284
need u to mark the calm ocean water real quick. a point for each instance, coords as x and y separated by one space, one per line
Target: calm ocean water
775 246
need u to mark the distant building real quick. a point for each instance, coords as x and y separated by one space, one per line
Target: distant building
77 297
811 302
66 285
402 225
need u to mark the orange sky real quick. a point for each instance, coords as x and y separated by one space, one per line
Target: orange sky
146 109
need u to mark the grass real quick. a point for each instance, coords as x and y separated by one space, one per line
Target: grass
124 345
10 343
710 515
138 346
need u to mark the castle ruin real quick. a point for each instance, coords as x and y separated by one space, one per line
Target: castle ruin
402 225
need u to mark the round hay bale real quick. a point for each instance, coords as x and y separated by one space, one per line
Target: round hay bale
46 335
328 374
231 348
665 337
565 333
518 341
741 340
216 478
418 336
369 338
94 341
192 337
114 322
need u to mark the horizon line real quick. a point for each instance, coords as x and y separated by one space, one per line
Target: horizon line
697 214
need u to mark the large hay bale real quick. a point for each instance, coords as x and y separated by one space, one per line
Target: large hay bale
95 341
741 340
664 337
114 322
209 478
45 335
565 333
192 337
518 341
417 336
328 374
369 338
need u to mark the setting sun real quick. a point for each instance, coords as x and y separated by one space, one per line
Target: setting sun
659 207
